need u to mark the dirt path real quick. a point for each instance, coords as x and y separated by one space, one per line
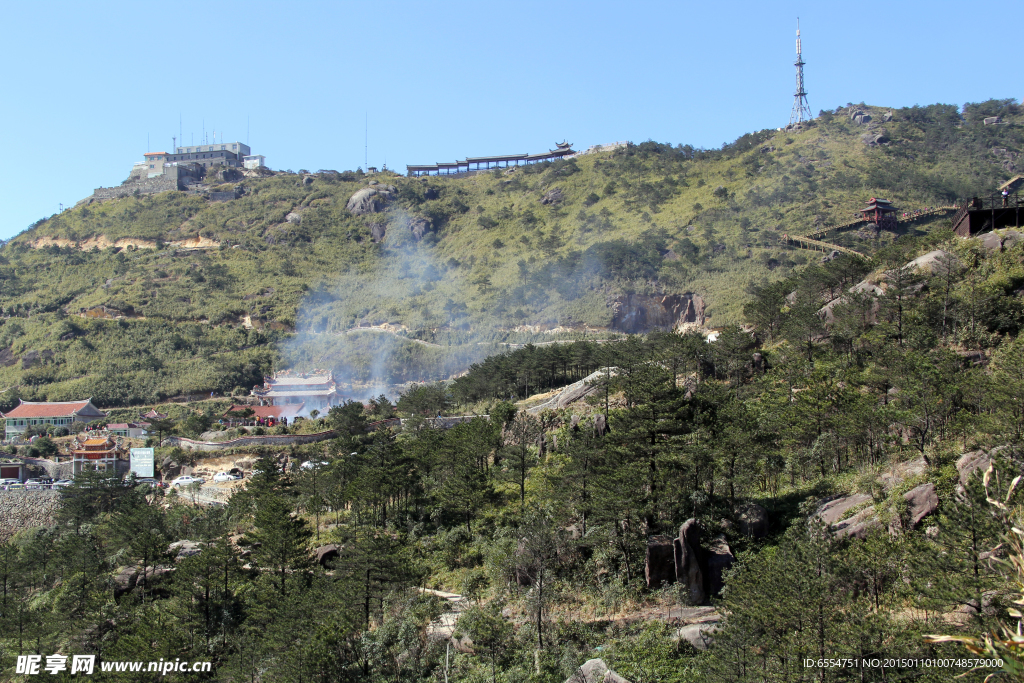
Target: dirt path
444 626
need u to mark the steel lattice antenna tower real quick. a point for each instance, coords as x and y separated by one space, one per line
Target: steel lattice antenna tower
801 110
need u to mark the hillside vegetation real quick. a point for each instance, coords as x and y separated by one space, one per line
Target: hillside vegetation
464 262
903 410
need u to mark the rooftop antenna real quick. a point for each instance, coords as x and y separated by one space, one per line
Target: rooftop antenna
180 136
801 110
366 141
174 142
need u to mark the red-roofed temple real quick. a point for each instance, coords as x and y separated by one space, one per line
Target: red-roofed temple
59 413
100 453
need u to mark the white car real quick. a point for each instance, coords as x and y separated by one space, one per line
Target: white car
62 483
186 480
225 476
313 464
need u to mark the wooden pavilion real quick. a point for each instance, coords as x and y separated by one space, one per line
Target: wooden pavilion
881 212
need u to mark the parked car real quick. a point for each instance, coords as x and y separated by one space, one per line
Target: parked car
62 483
36 484
186 480
4 483
226 476
150 482
12 487
313 464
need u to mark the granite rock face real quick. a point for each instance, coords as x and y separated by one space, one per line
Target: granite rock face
636 313
371 199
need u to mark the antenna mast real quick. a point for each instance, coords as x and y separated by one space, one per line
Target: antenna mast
366 141
801 110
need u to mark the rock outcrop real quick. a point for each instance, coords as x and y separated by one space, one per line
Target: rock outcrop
921 502
636 313
687 558
378 231
660 566
719 559
552 196
969 463
698 635
419 227
327 553
595 671
838 513
182 549
370 199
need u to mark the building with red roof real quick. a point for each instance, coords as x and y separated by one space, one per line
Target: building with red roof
56 413
97 453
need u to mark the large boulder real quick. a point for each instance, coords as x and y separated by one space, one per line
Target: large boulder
719 558
595 671
992 243
835 509
294 217
125 580
1011 238
936 262
327 553
921 502
900 472
859 525
698 635
553 196
182 549
687 561
969 463
370 199
660 566
378 231
753 520
838 513
419 227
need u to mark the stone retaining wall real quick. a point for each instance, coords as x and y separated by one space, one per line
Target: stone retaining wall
27 509
270 440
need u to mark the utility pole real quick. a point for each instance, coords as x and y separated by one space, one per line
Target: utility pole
801 110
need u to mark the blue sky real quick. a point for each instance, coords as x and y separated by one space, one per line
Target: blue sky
86 84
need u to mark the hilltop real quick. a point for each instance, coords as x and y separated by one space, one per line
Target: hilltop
145 298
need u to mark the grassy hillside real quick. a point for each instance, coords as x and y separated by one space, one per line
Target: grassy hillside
496 256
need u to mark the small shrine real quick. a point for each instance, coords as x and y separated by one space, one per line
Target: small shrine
96 452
